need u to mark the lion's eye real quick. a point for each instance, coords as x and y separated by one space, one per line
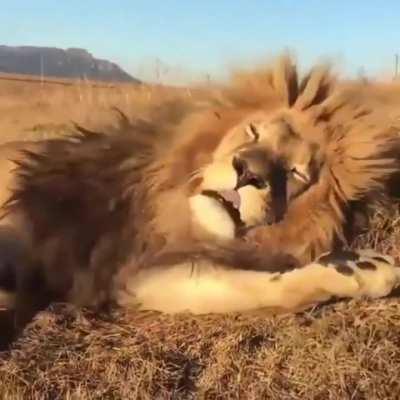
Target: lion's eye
252 132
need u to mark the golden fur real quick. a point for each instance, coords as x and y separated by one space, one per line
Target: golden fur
259 178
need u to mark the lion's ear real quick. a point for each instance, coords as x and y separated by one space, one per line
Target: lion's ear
314 88
285 80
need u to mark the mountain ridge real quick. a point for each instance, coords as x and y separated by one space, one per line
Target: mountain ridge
60 63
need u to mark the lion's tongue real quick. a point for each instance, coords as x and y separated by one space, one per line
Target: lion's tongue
232 196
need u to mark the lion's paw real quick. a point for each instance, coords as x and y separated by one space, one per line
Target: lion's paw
376 274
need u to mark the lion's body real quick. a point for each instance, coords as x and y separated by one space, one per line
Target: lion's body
226 209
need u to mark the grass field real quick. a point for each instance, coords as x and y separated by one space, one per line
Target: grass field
350 350
32 109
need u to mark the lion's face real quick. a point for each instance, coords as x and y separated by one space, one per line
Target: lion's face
260 166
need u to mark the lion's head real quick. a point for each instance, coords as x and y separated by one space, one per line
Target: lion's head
276 161
257 169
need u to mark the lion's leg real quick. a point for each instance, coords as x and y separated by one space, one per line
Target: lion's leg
339 274
213 289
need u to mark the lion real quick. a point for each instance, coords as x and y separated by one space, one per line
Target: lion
238 203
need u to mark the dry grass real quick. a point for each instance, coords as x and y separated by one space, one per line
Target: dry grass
350 350
32 110
345 351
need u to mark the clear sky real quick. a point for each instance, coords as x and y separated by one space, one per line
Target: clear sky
204 36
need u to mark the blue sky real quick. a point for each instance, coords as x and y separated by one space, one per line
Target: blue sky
204 36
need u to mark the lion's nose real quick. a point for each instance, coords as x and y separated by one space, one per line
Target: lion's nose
246 176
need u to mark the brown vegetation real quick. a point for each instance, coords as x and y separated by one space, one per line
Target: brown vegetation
31 109
344 351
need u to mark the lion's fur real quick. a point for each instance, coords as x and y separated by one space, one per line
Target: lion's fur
96 202
9 153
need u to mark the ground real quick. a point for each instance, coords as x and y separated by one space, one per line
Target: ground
348 350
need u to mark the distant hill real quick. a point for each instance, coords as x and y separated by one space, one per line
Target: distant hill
54 62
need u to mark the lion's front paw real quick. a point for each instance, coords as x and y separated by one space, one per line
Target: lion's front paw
376 274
